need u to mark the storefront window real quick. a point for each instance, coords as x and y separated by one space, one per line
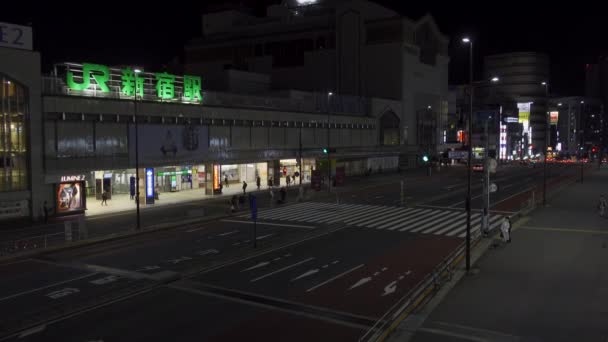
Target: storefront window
13 143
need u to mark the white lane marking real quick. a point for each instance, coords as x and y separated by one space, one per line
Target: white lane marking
433 207
62 293
147 268
258 265
281 269
367 213
434 227
334 278
366 221
47 286
178 260
377 197
207 252
440 218
105 280
264 236
451 334
228 233
32 331
272 224
194 230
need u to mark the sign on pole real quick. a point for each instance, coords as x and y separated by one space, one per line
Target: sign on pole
492 165
493 187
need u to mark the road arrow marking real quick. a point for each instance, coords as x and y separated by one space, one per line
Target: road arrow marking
390 288
306 274
360 282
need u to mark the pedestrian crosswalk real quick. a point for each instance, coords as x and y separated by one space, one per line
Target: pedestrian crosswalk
412 220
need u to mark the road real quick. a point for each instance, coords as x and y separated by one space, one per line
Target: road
326 269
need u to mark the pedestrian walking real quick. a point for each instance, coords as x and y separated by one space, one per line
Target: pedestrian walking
258 182
104 198
226 181
505 229
288 180
45 209
283 193
244 187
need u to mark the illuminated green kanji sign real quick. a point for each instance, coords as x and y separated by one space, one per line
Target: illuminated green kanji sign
192 88
100 73
132 83
128 82
165 87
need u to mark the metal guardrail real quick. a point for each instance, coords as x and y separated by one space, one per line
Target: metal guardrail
431 283
16 246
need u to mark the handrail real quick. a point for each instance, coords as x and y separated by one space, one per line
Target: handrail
379 331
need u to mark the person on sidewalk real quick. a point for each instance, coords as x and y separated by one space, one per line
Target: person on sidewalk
602 205
244 187
45 208
226 181
288 180
258 182
505 229
104 198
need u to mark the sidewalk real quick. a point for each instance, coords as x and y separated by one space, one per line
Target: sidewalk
549 284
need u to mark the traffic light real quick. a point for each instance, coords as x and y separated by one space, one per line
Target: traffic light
325 151
425 158
594 149
328 150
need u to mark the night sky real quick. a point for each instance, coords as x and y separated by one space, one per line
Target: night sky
113 32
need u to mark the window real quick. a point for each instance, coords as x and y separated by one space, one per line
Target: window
13 143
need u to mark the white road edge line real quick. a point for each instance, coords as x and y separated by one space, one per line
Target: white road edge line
194 230
452 334
33 331
281 270
334 278
47 286
272 224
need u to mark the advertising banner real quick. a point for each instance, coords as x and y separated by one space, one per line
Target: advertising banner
149 185
554 116
169 143
70 197
524 112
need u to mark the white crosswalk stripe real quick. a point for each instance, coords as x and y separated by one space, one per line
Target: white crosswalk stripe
434 221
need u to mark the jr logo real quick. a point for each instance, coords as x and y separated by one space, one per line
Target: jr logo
100 73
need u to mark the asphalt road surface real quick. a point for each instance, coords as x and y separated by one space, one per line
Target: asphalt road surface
326 269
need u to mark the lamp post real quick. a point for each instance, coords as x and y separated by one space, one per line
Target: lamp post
467 40
329 95
138 226
547 131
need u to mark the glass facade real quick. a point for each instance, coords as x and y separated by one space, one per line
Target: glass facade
13 143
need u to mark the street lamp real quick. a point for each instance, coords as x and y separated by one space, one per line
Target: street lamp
495 79
138 226
329 95
467 40
547 140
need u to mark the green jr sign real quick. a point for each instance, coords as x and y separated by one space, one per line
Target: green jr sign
132 83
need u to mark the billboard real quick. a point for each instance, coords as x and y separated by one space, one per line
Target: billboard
554 116
524 112
149 185
169 143
70 197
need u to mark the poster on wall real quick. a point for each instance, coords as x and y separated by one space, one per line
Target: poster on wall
554 116
70 197
174 143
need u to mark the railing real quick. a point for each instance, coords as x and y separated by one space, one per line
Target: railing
311 102
11 247
430 284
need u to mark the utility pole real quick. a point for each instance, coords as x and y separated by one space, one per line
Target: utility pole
138 225
468 199
486 182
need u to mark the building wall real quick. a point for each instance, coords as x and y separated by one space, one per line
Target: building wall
521 75
24 66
